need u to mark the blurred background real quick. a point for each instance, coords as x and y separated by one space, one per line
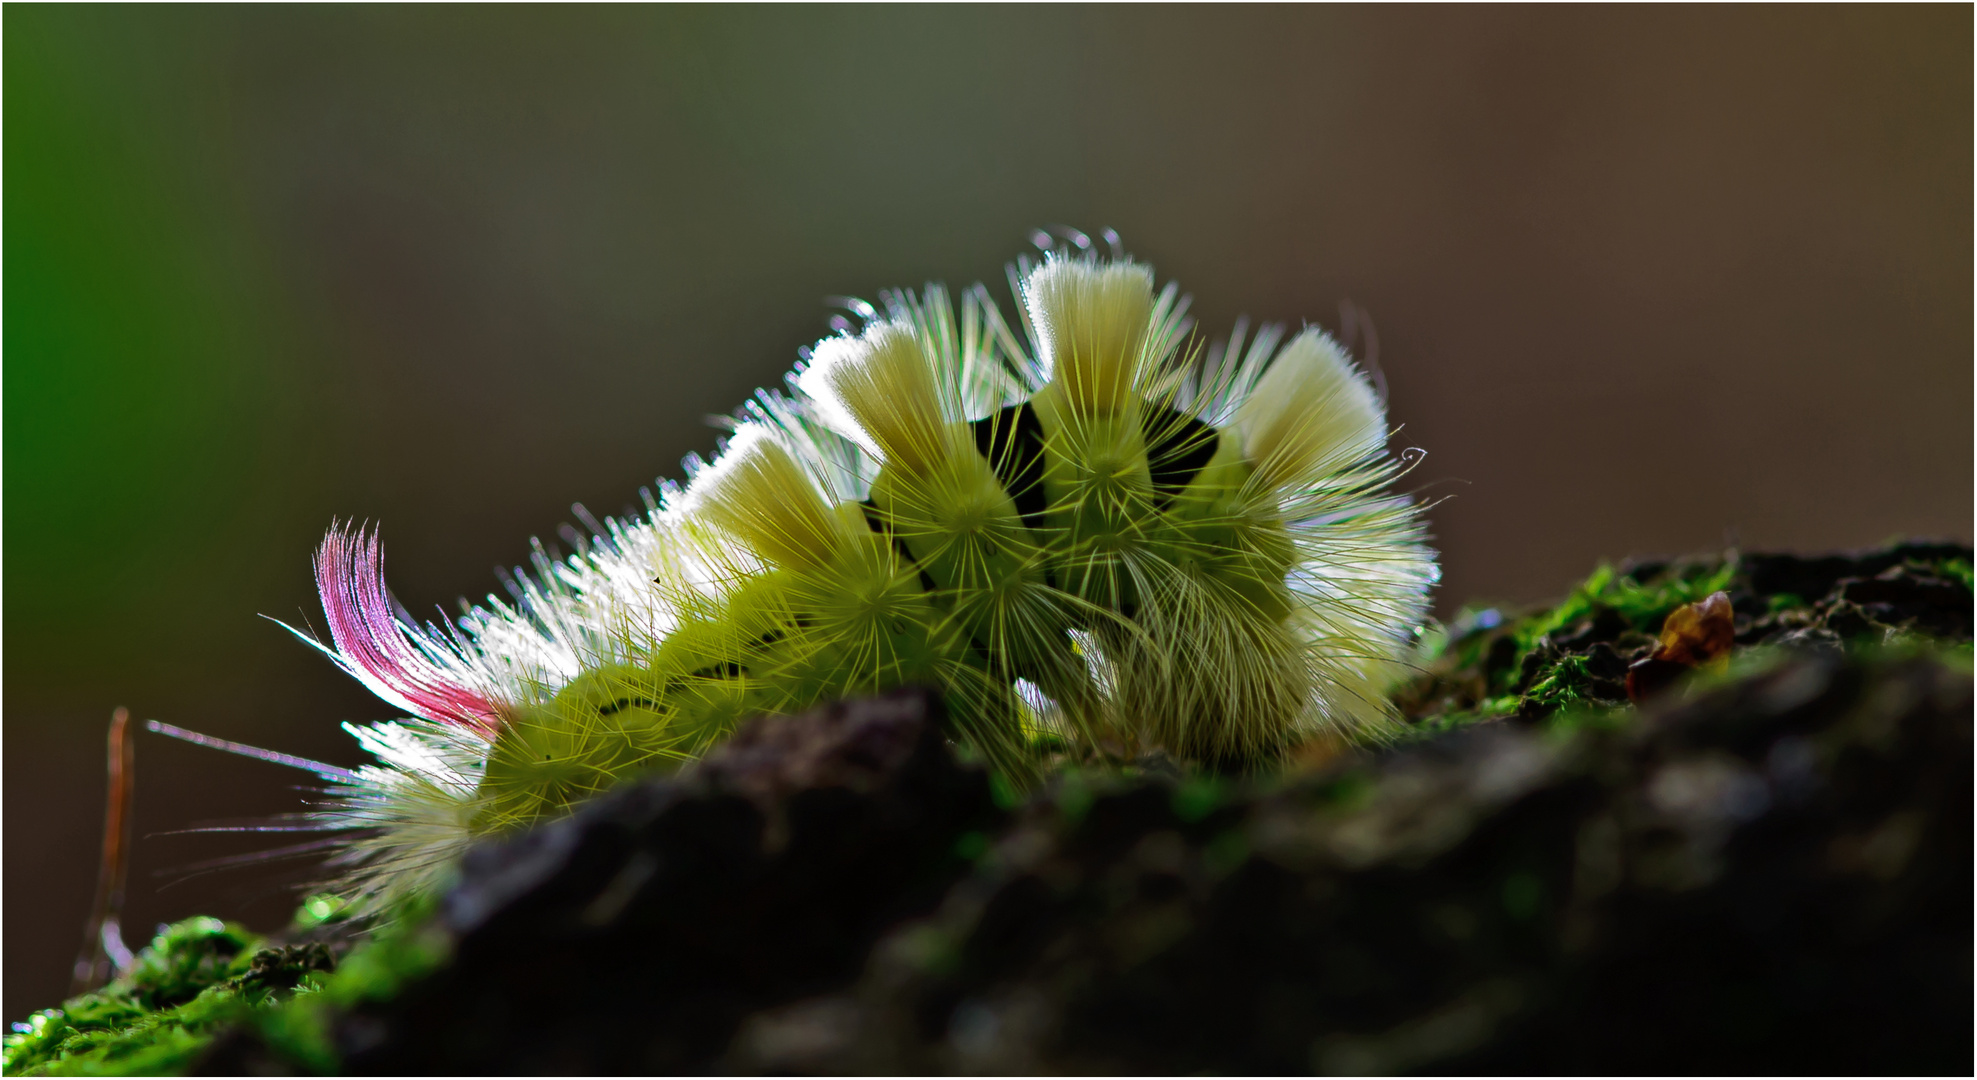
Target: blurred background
1645 281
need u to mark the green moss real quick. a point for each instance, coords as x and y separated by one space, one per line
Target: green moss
1435 725
190 982
320 910
1956 568
1569 722
1488 664
1643 604
202 977
1198 796
1566 684
399 951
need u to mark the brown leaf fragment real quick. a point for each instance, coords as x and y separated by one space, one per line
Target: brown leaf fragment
1698 633
1692 635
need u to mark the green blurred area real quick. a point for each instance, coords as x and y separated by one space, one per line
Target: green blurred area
146 356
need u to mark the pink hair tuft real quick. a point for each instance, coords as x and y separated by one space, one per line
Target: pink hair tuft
395 659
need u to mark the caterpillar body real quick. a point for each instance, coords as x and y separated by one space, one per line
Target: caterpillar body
1090 537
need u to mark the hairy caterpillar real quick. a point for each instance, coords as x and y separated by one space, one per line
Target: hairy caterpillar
1090 538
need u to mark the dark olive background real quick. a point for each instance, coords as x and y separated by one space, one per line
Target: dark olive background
1646 280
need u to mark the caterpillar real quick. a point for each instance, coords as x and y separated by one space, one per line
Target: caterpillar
1090 534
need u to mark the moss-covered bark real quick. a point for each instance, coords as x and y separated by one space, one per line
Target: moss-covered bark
1491 663
197 978
1766 868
